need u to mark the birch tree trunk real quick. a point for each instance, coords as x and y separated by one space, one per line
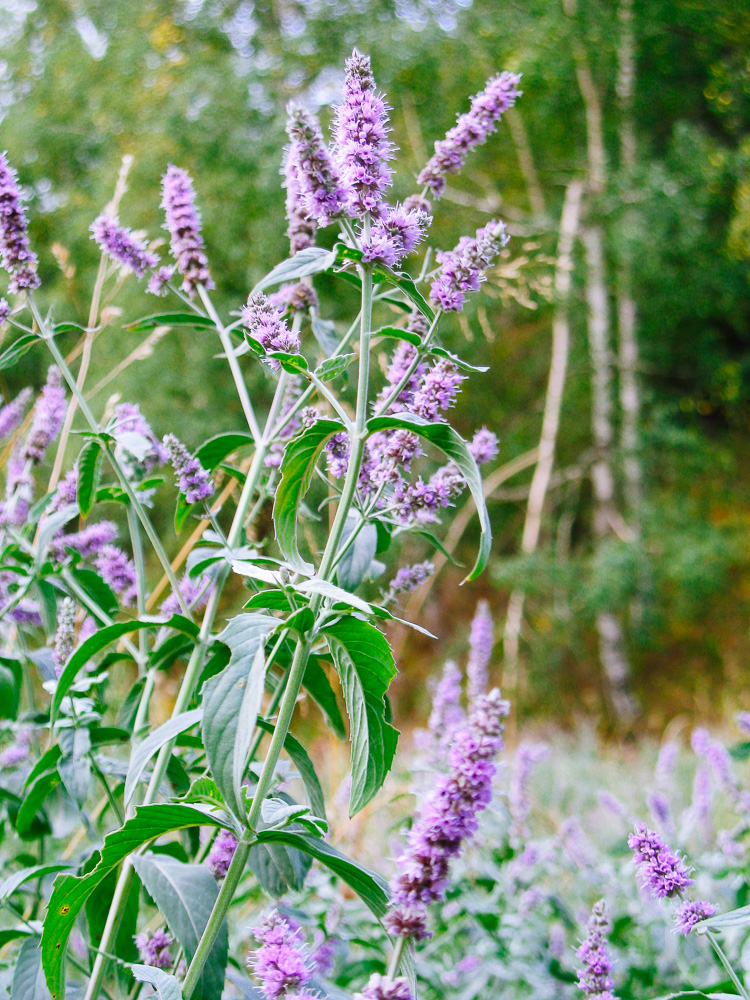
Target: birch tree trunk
550 424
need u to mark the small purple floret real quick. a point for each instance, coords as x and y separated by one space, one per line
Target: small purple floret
121 245
462 269
153 948
184 225
195 481
692 912
49 414
595 979
222 850
661 870
15 256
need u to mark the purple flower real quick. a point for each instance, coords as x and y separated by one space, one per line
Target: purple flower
463 268
324 956
610 802
66 492
130 420
381 988
421 501
301 229
361 131
438 390
65 637
661 870
89 541
153 948
18 751
595 979
295 298
183 223
291 393
12 413
408 578
311 172
446 715
195 481
266 324
448 815
471 129
717 757
395 235
15 256
49 414
666 762
659 808
556 944
393 451
159 280
4 311
19 490
702 803
483 446
528 755
222 851
743 722
122 245
337 450
118 572
279 964
481 642
691 912
195 594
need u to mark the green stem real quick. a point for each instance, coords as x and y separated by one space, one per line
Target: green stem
398 950
140 576
396 392
94 609
727 964
114 805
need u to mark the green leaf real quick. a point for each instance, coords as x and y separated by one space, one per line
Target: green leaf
331 368
223 697
452 445
17 350
278 867
185 894
299 757
400 334
434 540
153 743
70 892
89 472
334 593
166 987
95 643
370 887
297 468
311 260
172 319
12 882
318 686
28 976
292 363
458 362
247 716
33 803
96 588
365 665
97 909
213 452
324 331
11 676
74 766
272 600
352 567
8 934
734 918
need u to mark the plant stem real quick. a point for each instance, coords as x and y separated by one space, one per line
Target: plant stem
395 961
396 392
140 575
94 609
727 964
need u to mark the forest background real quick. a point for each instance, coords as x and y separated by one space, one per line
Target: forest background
620 584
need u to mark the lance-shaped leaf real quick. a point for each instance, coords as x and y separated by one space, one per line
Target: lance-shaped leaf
247 717
216 449
365 665
311 260
89 471
17 879
172 319
318 686
185 894
452 445
297 469
70 892
153 743
28 976
299 757
166 987
223 697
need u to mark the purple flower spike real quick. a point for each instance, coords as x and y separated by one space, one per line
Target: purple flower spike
409 578
64 634
463 268
661 870
222 851
310 165
295 298
267 325
395 235
4 310
89 541
381 988
337 455
484 446
49 414
471 129
195 481
448 815
692 912
363 147
279 964
129 419
159 280
528 755
12 413
122 246
17 752
153 948
481 642
15 256
66 492
118 572
301 228
195 594
438 390
595 979
184 225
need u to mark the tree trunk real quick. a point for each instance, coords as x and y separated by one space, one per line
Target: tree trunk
550 424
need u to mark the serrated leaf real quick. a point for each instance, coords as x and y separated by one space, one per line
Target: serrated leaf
297 468
292 363
213 452
366 667
223 697
166 987
28 975
318 686
452 445
299 757
172 319
17 879
70 892
186 894
89 471
17 350
153 743
311 260
331 368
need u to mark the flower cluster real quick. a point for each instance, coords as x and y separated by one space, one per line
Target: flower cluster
16 257
49 413
595 979
311 173
88 542
194 592
528 755
12 413
183 223
471 129
129 420
481 642
660 869
363 147
195 481
692 912
222 851
64 634
395 235
121 245
462 268
266 324
118 572
280 964
153 948
382 988
408 578
295 298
